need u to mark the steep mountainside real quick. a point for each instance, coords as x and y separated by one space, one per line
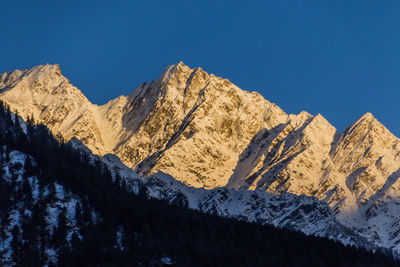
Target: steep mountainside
47 96
206 132
301 213
187 123
60 205
355 172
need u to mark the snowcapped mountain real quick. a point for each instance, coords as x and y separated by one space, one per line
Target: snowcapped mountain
155 127
208 133
61 205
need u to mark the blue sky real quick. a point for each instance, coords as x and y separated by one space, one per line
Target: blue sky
337 58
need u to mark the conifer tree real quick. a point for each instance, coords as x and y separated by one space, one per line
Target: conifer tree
26 190
60 235
30 170
78 213
16 244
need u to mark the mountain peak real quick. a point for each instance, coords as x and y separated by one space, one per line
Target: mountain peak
206 131
49 68
368 123
181 69
43 70
44 76
40 91
181 64
367 117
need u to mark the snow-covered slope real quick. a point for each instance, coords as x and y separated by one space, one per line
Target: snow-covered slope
54 213
206 132
32 202
301 213
47 96
355 172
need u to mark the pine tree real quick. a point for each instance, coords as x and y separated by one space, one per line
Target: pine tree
21 139
75 241
30 247
3 236
143 191
30 170
78 213
52 191
60 235
16 245
26 190
117 179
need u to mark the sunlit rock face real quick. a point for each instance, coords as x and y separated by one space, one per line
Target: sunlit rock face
47 96
206 132
192 125
187 123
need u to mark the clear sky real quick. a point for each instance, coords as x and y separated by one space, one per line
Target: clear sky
337 58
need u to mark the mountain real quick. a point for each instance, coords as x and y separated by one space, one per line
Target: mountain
300 213
208 133
154 127
60 205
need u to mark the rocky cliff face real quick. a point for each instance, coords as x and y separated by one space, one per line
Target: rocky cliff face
47 96
187 123
206 132
356 172
192 125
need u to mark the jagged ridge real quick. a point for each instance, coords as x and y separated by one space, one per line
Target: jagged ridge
206 132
